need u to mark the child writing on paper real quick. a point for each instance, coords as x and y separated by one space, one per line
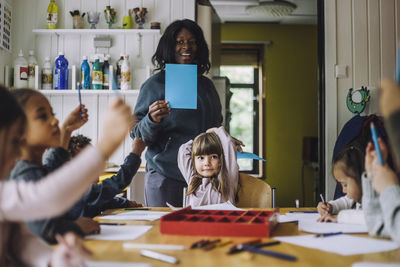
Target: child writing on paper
102 196
348 165
208 164
381 198
21 200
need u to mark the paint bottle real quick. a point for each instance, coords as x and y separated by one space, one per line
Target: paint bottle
20 71
52 15
47 75
125 74
97 75
32 63
118 71
106 73
61 72
85 73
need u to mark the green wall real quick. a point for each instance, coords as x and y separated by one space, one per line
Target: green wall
291 101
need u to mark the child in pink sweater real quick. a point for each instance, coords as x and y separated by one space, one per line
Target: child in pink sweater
208 164
21 201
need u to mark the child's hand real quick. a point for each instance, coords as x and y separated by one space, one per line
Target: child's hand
117 121
212 130
74 121
327 218
70 251
138 146
238 144
389 99
71 123
134 204
382 176
370 155
88 225
324 209
159 110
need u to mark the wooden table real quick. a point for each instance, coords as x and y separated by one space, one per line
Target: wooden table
113 251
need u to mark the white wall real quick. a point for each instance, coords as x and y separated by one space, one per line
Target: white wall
362 36
31 14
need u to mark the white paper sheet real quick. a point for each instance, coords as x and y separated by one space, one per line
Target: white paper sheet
222 206
297 216
375 264
120 232
115 264
330 227
341 244
136 215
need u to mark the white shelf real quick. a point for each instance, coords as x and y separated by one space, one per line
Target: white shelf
90 92
96 31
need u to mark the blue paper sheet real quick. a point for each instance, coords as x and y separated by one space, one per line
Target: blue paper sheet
248 155
181 85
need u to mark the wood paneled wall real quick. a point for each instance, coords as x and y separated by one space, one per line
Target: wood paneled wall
362 36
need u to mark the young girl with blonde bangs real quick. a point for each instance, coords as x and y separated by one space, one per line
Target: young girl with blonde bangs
208 164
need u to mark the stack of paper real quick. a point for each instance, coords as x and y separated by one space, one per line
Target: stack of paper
115 264
330 227
341 244
136 215
222 206
298 216
120 232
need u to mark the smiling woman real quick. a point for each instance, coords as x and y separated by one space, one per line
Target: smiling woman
164 129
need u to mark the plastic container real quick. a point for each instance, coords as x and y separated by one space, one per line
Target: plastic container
85 73
20 71
32 63
61 72
244 223
106 73
47 75
52 15
125 74
118 71
97 75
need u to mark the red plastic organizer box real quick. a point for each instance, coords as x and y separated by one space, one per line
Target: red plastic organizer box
251 223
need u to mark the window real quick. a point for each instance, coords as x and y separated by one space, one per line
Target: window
243 107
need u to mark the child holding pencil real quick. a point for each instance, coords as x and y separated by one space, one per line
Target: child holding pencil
30 168
381 199
348 166
208 164
21 200
42 132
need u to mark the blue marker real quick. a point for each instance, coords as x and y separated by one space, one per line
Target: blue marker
80 101
328 234
397 77
376 144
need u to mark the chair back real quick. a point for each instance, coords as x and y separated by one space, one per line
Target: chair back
253 193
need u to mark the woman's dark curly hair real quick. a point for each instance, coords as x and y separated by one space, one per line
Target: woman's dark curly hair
165 52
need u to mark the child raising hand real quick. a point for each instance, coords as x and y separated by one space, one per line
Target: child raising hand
42 132
208 164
